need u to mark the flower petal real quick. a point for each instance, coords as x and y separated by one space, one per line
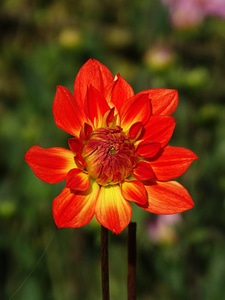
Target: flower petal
143 171
92 72
112 210
118 92
135 131
164 101
173 162
148 149
67 114
95 106
134 191
86 132
50 165
75 145
109 118
159 129
77 180
135 110
72 210
167 198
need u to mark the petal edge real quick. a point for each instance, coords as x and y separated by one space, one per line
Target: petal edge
50 164
168 198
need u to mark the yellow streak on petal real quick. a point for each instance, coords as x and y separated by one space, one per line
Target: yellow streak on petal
69 156
72 210
112 210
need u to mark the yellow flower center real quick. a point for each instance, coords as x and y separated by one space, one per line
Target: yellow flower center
109 155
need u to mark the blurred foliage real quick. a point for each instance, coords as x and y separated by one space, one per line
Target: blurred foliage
44 43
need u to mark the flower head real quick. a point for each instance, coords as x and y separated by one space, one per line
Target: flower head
189 13
118 153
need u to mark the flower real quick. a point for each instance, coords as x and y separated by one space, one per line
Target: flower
189 13
118 153
162 229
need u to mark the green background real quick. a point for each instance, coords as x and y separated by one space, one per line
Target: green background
43 44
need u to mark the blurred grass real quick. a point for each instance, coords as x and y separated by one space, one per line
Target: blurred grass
43 44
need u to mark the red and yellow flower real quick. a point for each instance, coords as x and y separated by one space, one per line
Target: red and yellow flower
118 153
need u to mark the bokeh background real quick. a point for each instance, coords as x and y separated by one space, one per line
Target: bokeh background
151 43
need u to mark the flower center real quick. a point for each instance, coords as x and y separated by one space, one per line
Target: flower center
109 155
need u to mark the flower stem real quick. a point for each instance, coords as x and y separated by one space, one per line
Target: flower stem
105 263
131 257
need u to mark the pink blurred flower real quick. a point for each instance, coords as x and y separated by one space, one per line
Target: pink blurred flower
214 7
162 229
189 13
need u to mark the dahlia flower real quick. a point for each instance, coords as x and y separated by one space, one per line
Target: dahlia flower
118 153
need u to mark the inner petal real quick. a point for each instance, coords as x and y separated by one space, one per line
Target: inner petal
109 156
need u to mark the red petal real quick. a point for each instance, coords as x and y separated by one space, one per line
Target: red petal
148 149
77 180
164 101
50 165
135 131
73 210
75 145
134 191
92 72
95 106
109 118
85 132
112 210
80 162
159 129
168 198
173 162
118 92
143 171
67 114
135 110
